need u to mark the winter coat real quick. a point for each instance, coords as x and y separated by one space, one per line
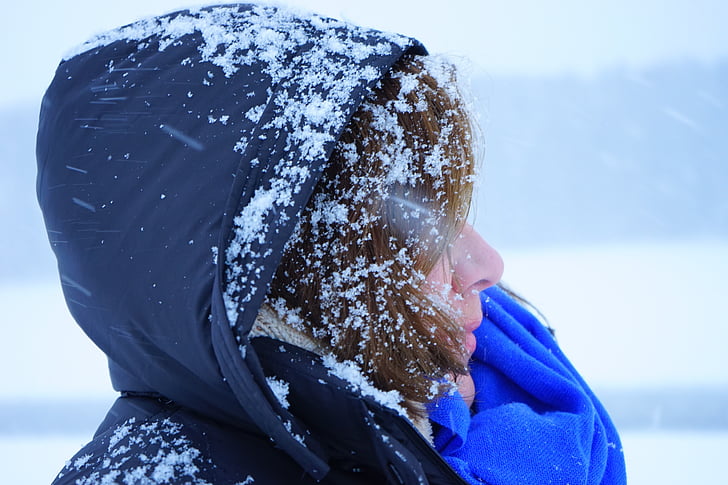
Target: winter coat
174 157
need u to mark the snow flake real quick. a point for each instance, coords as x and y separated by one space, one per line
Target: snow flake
82 203
121 432
255 113
280 390
82 460
297 437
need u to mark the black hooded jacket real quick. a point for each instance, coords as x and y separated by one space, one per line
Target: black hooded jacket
174 156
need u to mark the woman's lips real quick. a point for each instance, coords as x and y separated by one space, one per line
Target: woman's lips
470 343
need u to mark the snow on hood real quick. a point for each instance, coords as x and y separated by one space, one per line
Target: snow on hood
169 138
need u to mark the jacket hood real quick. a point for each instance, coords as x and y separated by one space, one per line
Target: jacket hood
174 156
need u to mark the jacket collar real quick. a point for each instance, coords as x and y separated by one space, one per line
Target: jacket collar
349 429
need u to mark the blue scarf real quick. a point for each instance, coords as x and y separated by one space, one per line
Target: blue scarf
534 419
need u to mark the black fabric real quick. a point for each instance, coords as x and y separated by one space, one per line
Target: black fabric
363 442
153 140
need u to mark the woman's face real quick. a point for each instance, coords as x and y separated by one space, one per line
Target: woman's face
470 267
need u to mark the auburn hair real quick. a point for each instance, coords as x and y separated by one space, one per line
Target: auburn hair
395 194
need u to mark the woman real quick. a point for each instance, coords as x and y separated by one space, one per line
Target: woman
259 216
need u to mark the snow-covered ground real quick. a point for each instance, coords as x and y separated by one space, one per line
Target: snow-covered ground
631 317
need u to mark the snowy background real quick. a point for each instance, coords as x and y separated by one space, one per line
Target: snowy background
604 188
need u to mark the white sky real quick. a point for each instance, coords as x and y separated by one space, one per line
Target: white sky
522 36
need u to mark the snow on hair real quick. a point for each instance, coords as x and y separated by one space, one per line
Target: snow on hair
395 194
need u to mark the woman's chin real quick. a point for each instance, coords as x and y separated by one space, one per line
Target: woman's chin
466 387
470 344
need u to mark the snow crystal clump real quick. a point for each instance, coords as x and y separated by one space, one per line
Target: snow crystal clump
350 372
280 390
297 437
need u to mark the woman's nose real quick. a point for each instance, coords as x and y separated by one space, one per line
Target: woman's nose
476 265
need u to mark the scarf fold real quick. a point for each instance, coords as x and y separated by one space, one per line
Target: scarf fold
534 419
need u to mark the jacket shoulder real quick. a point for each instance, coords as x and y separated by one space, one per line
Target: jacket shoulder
145 442
175 448
156 450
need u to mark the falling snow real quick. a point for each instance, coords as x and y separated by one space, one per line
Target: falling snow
316 85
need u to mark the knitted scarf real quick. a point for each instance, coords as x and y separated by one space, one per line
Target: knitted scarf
534 419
